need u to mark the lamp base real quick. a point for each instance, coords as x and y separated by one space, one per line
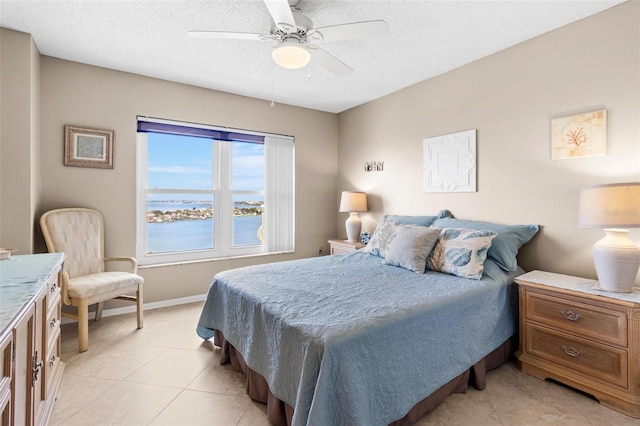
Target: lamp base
617 259
353 225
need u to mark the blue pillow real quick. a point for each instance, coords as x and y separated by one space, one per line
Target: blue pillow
504 246
417 220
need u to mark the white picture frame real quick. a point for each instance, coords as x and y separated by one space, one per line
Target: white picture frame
579 135
450 162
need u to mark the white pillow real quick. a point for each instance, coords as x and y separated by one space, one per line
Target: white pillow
461 252
381 239
411 247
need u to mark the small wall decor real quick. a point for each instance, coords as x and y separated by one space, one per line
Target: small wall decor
373 166
579 135
450 162
85 147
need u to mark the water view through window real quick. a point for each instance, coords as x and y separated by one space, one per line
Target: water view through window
182 180
182 225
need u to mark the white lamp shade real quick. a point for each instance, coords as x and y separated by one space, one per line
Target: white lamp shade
353 202
616 257
612 205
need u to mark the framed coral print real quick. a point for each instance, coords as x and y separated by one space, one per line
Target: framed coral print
86 147
579 135
450 162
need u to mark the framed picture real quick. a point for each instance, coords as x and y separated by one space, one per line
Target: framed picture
450 162
579 135
88 147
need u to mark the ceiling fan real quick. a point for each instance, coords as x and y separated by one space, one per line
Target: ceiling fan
296 40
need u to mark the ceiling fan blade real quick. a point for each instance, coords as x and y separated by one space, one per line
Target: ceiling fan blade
228 35
265 68
350 31
329 61
281 13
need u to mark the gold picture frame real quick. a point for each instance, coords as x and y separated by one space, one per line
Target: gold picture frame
85 147
579 135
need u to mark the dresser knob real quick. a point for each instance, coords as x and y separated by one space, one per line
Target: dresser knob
570 315
35 368
571 351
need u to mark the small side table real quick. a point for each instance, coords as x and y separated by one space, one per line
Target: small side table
577 334
342 246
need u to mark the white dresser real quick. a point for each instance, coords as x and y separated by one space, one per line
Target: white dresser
30 366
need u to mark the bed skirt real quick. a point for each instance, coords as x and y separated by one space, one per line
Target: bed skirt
280 413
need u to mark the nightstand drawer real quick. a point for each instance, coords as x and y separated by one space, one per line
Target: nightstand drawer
602 362
587 320
342 246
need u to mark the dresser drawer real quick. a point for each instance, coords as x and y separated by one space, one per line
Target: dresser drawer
6 367
52 323
608 325
599 361
51 364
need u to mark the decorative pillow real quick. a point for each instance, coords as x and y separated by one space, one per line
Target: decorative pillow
461 252
381 238
417 220
411 247
505 246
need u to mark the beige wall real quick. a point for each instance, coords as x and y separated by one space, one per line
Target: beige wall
509 98
78 94
19 139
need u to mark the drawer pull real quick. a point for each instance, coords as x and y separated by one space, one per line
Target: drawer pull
570 315
571 351
52 323
52 360
35 368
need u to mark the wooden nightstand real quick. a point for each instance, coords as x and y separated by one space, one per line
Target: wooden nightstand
587 338
342 246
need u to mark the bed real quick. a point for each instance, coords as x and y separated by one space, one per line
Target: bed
356 339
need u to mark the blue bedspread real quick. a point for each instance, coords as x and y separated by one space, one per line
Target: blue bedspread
346 340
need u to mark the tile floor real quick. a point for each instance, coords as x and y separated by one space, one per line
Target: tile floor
164 374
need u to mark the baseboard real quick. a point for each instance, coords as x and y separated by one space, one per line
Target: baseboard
147 306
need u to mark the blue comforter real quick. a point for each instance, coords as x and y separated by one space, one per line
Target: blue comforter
346 340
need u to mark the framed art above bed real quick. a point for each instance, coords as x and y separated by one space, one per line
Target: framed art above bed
450 162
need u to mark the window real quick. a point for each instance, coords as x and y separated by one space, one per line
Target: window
207 192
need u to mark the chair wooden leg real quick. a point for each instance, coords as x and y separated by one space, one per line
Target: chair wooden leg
139 304
99 308
83 326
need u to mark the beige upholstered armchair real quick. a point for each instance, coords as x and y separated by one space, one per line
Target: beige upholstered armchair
79 233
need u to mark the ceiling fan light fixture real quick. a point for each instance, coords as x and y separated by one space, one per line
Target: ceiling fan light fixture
291 55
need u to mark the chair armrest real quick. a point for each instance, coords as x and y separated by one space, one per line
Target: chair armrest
130 260
64 288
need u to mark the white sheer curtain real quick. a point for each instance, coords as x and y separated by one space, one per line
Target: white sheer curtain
279 191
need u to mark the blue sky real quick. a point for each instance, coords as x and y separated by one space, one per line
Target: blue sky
186 162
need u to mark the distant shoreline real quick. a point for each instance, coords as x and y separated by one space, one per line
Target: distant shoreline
162 216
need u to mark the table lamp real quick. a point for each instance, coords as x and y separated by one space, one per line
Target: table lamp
353 202
613 207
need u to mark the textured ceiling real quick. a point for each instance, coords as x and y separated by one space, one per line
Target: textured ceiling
425 38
